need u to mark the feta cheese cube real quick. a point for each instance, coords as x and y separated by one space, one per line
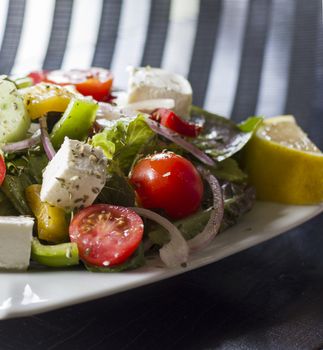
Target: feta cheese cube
75 176
15 242
146 83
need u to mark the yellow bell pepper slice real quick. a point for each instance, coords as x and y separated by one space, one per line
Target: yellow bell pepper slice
52 225
45 97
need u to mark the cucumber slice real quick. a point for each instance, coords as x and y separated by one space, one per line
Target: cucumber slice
14 121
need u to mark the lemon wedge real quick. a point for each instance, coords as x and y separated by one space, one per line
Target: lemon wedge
283 163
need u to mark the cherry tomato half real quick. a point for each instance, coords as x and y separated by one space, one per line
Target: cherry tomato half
172 121
167 181
106 235
95 82
2 170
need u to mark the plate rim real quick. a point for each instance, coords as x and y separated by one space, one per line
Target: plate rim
42 307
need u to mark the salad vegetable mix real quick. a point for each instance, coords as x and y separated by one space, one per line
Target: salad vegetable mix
110 180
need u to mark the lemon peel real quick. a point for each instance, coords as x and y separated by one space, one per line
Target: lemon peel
283 163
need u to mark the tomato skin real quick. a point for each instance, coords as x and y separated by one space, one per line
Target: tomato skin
106 235
167 181
98 90
38 76
95 82
168 118
2 170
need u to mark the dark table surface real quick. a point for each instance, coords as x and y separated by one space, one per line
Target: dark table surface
267 297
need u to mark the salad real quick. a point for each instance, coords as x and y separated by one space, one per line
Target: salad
94 176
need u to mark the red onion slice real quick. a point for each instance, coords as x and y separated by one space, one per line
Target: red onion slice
48 147
173 136
23 144
175 252
212 227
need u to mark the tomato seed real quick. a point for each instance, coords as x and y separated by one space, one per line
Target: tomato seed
86 228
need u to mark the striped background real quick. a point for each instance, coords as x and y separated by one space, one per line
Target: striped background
241 56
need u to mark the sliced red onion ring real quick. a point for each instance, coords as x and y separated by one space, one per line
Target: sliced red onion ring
173 136
212 227
175 252
48 147
23 144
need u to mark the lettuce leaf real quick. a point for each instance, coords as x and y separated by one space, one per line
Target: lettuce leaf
220 137
123 140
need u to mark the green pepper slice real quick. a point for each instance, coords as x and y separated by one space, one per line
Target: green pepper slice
59 255
76 121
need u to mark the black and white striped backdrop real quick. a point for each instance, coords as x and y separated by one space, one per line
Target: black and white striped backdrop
242 57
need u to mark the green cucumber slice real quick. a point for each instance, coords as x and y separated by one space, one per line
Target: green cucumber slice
14 121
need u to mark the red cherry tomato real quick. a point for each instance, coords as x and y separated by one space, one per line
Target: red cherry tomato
38 76
95 82
2 170
106 235
167 181
172 121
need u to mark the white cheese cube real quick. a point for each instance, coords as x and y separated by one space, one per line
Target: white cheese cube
15 242
146 83
75 176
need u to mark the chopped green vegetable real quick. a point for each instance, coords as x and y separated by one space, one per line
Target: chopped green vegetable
14 121
75 123
128 136
135 261
36 165
58 255
229 170
14 188
189 227
6 207
108 147
220 137
24 82
238 200
250 124
117 189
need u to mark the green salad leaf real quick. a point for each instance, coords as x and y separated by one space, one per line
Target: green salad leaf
117 190
135 261
229 170
189 227
22 172
6 207
123 140
238 199
14 187
36 164
220 137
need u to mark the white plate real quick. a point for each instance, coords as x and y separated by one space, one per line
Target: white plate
28 293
